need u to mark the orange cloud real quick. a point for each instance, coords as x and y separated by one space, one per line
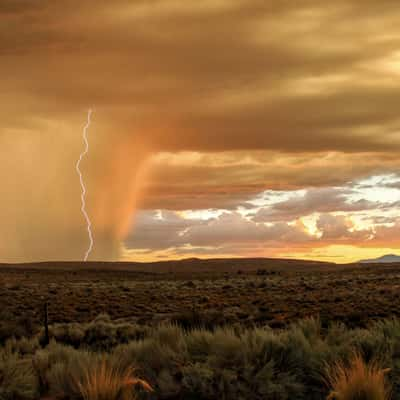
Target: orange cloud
269 96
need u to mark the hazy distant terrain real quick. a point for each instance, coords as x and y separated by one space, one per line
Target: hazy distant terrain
190 265
388 258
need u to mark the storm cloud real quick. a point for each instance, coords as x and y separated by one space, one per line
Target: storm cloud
197 105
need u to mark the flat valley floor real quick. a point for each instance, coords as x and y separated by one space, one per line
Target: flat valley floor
210 292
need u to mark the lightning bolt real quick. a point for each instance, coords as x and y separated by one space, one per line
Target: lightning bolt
83 188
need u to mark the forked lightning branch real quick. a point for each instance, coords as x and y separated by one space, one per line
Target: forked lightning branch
83 187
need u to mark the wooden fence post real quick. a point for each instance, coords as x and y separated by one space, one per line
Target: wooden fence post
46 325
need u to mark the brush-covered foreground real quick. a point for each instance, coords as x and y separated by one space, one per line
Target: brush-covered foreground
104 360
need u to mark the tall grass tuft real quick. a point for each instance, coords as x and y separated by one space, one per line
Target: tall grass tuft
105 381
357 380
17 379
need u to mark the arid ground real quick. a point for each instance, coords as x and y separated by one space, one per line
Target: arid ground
214 292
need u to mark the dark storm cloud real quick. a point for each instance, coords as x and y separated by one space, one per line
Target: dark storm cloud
221 76
210 76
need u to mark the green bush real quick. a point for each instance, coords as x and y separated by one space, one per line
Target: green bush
17 378
98 335
15 327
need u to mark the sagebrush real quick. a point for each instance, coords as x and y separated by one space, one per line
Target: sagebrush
230 362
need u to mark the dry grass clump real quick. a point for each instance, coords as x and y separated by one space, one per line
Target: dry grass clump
106 381
17 379
357 380
67 373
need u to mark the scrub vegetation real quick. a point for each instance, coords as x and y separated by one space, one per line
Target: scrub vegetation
181 332
302 361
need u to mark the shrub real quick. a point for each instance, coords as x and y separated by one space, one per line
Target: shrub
194 319
98 335
17 379
255 363
63 368
22 346
105 381
357 380
159 357
10 327
65 372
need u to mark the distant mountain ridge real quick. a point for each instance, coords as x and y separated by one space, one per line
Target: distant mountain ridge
190 265
387 258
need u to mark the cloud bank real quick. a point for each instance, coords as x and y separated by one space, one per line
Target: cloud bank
221 100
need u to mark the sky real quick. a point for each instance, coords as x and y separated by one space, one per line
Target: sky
239 128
